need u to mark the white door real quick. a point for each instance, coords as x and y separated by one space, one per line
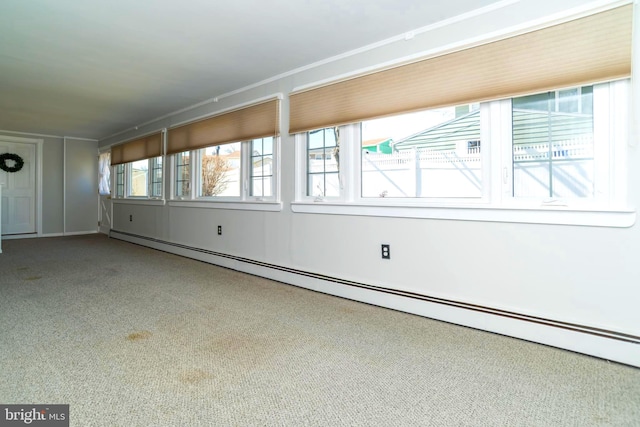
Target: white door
19 190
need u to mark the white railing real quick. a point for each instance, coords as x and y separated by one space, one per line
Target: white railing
577 148
458 173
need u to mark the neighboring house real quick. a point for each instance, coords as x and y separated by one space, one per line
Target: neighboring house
459 134
232 159
378 145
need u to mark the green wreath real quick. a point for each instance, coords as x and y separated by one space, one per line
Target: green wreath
17 160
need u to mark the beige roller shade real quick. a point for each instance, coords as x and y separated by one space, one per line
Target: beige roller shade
255 121
138 149
585 50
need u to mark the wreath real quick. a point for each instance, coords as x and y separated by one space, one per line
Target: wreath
17 160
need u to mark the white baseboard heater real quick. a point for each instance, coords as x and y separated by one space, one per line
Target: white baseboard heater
598 342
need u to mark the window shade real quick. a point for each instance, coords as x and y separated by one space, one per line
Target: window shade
256 121
138 149
582 51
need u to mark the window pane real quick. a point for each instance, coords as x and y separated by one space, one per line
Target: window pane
323 162
267 146
183 174
220 170
261 168
324 185
553 144
156 177
139 178
434 153
120 180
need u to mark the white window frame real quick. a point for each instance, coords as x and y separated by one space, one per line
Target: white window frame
149 199
244 201
249 157
346 180
116 181
128 177
496 204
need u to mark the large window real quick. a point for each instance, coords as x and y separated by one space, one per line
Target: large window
227 172
220 170
563 148
434 153
139 179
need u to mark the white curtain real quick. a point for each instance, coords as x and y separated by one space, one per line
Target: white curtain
104 173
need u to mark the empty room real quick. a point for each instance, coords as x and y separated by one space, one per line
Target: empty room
321 213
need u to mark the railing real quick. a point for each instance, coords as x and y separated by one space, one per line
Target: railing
577 148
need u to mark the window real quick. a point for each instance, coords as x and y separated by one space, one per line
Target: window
323 178
553 145
262 167
220 171
156 177
119 180
559 149
139 179
424 154
238 171
182 174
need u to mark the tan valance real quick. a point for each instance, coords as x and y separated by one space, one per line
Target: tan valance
255 121
586 50
137 149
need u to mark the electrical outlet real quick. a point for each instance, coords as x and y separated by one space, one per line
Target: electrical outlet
130 218
219 230
386 251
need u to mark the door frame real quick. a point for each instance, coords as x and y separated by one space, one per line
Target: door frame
38 142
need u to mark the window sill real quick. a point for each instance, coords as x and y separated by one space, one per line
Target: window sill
532 215
244 205
141 201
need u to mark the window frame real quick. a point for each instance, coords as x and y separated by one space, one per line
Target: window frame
122 172
250 169
242 202
497 202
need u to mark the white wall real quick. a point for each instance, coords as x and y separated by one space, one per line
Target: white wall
79 159
81 186
574 274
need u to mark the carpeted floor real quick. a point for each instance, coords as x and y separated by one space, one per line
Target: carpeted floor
129 336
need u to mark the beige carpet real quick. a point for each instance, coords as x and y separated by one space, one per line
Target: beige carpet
129 336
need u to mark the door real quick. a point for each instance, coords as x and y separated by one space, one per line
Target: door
19 190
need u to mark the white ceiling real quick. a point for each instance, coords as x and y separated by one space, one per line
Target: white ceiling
92 68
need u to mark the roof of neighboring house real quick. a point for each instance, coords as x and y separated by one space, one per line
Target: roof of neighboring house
232 155
442 136
375 142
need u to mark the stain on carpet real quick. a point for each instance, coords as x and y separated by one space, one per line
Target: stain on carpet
193 376
140 335
33 278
